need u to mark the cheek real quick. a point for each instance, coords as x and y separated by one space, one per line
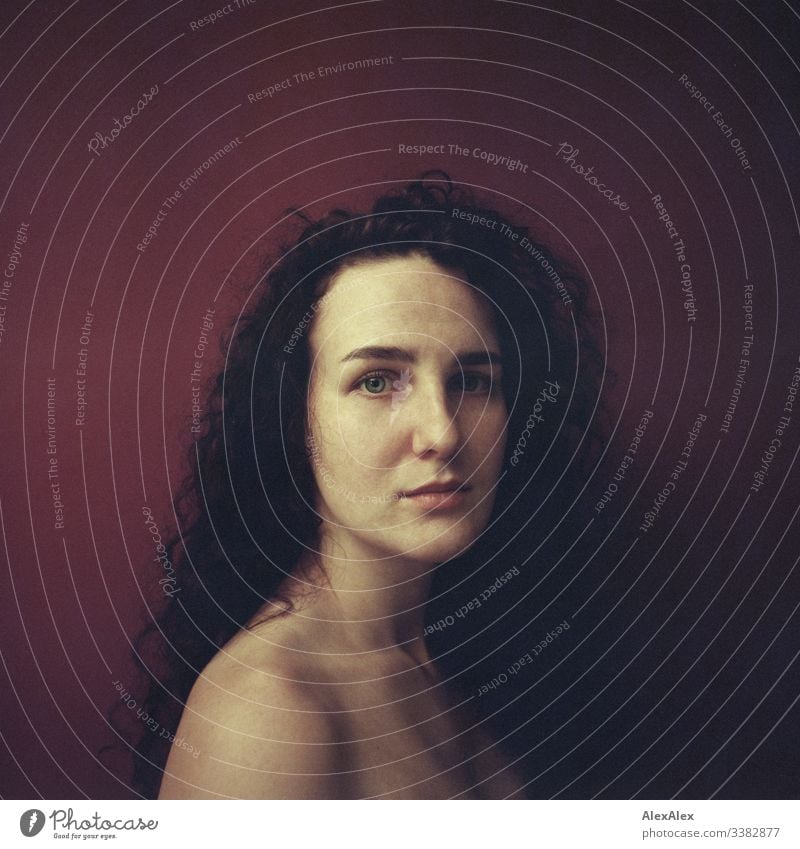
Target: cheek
490 432
352 442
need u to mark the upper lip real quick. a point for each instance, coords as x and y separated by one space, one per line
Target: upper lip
437 486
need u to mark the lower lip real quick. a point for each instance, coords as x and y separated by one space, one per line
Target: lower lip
438 500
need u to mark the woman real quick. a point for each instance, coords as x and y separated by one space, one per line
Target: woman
362 470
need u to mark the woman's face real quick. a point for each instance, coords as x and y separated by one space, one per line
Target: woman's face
405 392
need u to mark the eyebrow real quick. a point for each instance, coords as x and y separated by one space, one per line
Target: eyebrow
379 352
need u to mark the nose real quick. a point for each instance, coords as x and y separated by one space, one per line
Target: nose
434 426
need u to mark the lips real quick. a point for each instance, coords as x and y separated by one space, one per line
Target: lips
444 486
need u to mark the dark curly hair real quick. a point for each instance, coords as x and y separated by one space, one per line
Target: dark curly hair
243 510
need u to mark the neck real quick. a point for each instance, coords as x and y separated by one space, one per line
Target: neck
371 606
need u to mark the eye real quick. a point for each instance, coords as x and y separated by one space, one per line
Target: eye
375 383
472 382
380 383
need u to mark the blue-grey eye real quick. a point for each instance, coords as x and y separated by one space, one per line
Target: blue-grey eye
375 384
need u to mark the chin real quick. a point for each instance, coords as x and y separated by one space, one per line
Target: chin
434 548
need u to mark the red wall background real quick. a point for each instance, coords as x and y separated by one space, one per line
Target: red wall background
518 79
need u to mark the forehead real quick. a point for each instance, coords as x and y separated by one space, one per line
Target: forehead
395 296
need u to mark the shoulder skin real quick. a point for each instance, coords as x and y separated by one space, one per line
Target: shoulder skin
254 732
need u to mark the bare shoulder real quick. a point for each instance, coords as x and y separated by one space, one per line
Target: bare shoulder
253 728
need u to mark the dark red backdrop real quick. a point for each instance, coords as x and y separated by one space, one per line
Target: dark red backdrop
609 79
